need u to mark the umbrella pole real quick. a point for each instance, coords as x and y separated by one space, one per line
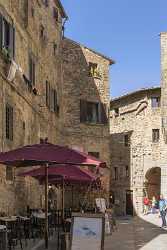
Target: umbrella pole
63 199
46 206
72 197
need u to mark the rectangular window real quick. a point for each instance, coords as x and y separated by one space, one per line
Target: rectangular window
9 122
126 140
93 112
155 102
9 173
32 70
115 173
7 37
93 70
155 135
116 111
51 98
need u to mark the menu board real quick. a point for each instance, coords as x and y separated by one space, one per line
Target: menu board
87 232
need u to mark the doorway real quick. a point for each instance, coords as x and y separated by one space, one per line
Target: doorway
153 182
129 202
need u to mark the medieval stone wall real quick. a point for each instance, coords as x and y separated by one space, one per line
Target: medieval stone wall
64 65
39 34
79 85
136 119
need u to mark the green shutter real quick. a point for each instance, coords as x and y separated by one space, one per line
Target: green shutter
83 111
12 41
103 111
1 24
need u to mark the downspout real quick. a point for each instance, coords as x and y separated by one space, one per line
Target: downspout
63 26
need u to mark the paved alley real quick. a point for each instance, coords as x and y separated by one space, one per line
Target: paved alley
138 234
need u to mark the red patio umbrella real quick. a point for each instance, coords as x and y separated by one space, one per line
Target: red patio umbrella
46 153
61 174
70 173
42 153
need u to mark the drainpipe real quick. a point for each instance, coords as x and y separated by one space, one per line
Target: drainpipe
63 26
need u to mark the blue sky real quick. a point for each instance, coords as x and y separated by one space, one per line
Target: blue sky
125 30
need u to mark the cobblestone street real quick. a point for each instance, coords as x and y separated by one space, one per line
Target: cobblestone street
142 233
138 234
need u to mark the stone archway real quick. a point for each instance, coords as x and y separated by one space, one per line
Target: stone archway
153 182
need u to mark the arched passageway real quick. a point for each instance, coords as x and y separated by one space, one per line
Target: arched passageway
153 182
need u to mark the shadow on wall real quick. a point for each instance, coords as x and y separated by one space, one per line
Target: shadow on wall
121 194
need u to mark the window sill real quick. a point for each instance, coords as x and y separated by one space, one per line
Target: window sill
94 124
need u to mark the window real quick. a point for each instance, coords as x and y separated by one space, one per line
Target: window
115 173
95 154
51 98
126 171
155 135
7 37
93 112
9 173
93 70
55 14
155 102
116 111
32 70
126 140
9 122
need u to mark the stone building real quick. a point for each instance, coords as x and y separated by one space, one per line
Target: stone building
86 99
50 87
30 79
136 141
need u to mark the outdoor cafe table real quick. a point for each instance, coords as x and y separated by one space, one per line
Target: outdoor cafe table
40 215
3 237
8 219
13 219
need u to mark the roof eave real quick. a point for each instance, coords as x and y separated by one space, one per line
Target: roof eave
111 61
63 12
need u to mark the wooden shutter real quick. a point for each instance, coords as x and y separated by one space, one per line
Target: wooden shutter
103 113
1 30
55 101
12 41
30 69
11 123
83 111
52 99
33 72
47 94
